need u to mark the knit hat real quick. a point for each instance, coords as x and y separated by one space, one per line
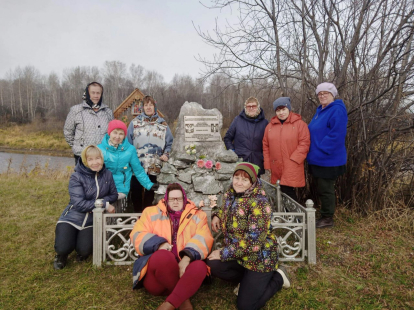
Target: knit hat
251 169
83 154
117 124
329 87
282 102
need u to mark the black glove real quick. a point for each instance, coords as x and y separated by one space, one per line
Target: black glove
154 187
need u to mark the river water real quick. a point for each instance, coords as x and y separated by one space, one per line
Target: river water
26 162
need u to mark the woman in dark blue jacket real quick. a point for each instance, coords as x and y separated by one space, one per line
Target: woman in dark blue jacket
245 134
327 153
90 181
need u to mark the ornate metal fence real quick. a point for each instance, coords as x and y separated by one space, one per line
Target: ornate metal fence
293 225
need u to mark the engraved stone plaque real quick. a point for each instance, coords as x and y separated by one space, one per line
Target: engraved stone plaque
202 128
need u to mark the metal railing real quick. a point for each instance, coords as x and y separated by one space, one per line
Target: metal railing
293 225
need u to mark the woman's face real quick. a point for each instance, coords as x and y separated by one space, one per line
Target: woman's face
149 108
95 93
325 98
117 136
175 200
241 183
251 108
95 162
282 113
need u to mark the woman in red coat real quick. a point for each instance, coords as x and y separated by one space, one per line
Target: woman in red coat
285 145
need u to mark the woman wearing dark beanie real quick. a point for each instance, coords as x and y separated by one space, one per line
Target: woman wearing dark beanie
285 146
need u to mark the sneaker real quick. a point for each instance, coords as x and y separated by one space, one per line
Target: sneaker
236 290
59 262
325 222
283 272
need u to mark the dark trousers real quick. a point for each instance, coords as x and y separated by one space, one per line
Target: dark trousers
256 288
68 238
290 191
326 192
140 197
77 158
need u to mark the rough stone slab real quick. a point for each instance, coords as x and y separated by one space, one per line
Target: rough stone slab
166 178
223 176
181 164
162 189
226 184
227 156
195 197
186 175
185 157
227 168
168 168
208 148
207 185
187 187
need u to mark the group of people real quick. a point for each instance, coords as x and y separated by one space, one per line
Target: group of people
282 146
173 239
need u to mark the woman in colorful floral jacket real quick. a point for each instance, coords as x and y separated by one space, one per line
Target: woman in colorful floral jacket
249 255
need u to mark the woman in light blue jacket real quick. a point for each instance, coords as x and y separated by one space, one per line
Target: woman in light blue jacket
121 159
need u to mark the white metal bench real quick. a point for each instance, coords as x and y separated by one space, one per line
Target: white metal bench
293 224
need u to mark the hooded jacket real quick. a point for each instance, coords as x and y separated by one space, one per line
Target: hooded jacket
84 126
285 147
245 222
85 186
245 137
121 161
328 131
154 228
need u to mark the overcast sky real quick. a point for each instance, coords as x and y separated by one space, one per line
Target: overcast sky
156 34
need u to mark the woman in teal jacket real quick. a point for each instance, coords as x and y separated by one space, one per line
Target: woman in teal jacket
121 159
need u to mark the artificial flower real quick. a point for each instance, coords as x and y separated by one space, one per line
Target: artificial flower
209 164
200 163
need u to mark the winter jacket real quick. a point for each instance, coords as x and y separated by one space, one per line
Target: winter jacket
85 186
152 138
84 126
154 228
245 137
121 161
245 223
285 147
328 131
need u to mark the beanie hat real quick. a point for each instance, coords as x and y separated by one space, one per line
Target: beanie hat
83 154
117 124
251 169
282 102
329 87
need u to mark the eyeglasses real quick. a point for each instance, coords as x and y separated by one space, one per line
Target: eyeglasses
325 93
251 106
173 199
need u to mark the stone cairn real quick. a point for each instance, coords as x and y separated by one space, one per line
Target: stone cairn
203 168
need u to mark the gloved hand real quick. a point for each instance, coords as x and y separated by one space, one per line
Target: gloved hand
155 187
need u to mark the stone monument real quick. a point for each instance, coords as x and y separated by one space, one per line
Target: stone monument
199 161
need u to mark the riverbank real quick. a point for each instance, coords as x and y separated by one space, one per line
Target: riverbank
362 263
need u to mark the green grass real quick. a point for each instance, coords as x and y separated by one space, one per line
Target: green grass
360 264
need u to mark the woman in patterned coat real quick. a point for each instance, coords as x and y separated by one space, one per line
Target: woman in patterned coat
249 255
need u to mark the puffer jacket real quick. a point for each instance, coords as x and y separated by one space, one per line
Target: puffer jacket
85 186
245 137
84 126
154 228
285 147
328 132
245 223
121 161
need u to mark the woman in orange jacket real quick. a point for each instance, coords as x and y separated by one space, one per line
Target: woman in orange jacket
172 239
285 145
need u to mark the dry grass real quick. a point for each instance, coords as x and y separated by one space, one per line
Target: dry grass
362 263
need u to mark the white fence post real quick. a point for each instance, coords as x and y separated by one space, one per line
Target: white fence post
97 236
311 231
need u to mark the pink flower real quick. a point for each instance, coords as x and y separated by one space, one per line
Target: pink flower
218 166
200 163
209 164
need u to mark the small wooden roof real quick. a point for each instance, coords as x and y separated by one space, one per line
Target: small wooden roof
135 96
